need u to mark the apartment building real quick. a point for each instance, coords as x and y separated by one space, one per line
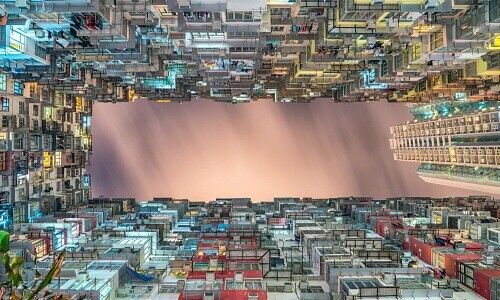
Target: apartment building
455 142
45 142
301 250
237 51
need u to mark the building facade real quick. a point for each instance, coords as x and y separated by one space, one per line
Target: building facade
456 144
237 51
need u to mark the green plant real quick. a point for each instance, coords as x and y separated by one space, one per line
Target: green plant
14 288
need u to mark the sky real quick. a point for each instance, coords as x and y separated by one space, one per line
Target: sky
202 150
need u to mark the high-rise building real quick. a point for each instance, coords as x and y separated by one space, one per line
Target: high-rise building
238 50
59 57
45 142
456 144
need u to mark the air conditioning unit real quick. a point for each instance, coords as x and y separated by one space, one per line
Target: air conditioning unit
253 296
392 23
371 24
238 276
489 260
430 4
371 40
216 25
377 2
208 296
210 277
184 4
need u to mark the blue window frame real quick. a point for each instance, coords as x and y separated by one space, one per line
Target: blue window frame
5 104
86 181
18 88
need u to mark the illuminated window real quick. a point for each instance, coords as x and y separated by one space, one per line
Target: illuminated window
86 180
58 99
3 82
48 112
3 161
58 158
17 40
47 160
79 103
18 88
5 104
416 51
86 121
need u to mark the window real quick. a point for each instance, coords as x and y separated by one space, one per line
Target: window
48 112
5 121
384 68
86 121
58 158
3 82
18 88
17 40
436 40
208 35
5 104
494 11
18 142
35 110
47 160
358 16
235 34
253 285
240 16
22 122
22 108
79 103
242 49
3 161
86 181
284 12
416 51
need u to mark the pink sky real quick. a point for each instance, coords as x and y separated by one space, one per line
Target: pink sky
202 150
